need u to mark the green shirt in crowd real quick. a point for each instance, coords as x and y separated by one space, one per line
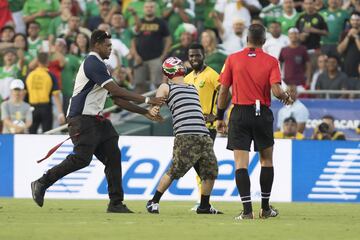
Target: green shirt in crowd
6 76
92 7
34 6
68 74
34 47
175 20
57 27
287 22
125 36
270 13
215 60
202 12
138 6
336 22
16 5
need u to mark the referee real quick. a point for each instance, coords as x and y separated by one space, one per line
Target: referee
90 132
252 74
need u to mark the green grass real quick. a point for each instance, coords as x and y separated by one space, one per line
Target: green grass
86 219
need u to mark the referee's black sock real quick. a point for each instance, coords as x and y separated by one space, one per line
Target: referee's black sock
243 186
157 196
205 201
266 181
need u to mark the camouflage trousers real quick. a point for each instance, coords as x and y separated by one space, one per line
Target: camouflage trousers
190 149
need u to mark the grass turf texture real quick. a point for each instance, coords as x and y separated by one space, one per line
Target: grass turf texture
86 219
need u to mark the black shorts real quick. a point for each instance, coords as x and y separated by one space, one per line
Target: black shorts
244 127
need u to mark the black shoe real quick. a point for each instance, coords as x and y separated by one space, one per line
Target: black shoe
152 207
272 212
38 192
209 210
118 208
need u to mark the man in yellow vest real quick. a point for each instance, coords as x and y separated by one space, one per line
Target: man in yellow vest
206 81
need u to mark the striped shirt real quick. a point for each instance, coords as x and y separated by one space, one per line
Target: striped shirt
184 104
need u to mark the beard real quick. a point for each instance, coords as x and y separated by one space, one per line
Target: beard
197 66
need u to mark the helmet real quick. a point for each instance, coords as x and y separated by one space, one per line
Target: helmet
173 67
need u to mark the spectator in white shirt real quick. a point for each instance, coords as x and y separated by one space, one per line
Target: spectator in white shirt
276 41
321 67
233 39
297 110
119 49
230 10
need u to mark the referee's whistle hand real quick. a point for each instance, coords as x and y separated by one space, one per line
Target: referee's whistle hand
157 101
288 100
221 126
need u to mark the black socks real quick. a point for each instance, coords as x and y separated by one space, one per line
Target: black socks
266 181
243 186
157 196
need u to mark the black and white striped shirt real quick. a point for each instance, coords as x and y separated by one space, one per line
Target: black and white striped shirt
184 104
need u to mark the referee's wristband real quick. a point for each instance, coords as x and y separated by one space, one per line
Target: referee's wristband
220 114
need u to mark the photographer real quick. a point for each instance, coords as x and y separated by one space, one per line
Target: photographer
326 130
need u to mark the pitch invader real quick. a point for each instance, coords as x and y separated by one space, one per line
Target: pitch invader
192 142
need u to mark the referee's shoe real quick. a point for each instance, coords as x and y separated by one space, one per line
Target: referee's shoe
272 212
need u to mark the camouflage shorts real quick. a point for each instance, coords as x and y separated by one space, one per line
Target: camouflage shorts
189 149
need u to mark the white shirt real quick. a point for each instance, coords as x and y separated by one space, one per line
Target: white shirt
273 45
119 49
233 43
230 11
254 3
297 110
314 79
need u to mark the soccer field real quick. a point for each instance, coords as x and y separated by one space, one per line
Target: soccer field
86 219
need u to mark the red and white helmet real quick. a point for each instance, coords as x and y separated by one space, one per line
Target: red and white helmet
173 67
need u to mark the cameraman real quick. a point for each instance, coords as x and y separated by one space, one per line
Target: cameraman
326 130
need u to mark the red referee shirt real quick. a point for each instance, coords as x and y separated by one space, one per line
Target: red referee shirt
251 74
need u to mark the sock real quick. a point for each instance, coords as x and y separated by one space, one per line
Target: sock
266 181
205 201
243 186
157 196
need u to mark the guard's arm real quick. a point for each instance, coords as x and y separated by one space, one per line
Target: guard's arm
118 92
129 106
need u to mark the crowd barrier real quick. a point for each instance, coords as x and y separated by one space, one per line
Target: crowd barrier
316 171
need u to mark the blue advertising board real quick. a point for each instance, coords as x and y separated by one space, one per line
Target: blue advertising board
6 165
326 171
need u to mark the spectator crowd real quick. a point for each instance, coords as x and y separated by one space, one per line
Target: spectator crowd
43 42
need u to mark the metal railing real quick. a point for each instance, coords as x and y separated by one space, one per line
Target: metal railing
125 116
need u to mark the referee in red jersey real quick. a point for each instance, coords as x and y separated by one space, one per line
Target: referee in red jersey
252 75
